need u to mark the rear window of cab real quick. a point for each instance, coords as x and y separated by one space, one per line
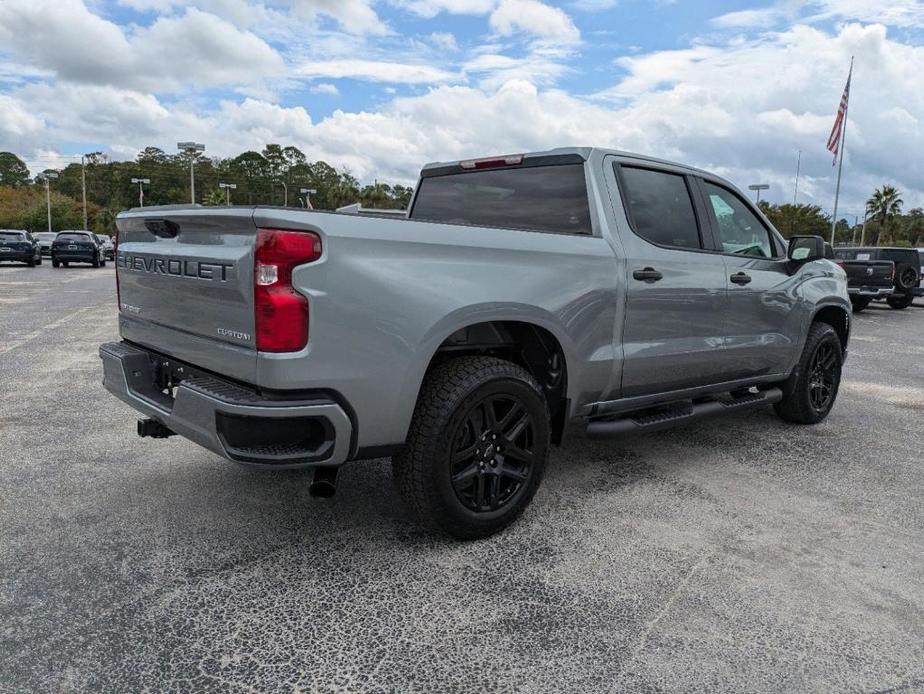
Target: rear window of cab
551 198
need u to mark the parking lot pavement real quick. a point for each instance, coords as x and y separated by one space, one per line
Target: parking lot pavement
742 554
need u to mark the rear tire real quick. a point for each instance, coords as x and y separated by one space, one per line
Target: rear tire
476 449
810 392
860 303
95 262
900 302
55 263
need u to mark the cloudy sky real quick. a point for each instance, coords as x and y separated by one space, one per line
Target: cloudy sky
383 86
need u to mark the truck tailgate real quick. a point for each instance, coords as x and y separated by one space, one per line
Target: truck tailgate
873 273
186 285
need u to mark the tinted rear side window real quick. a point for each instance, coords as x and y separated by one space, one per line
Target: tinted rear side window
660 207
540 198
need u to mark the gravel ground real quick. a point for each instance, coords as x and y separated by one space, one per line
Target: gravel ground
740 555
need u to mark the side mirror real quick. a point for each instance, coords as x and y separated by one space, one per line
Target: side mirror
803 249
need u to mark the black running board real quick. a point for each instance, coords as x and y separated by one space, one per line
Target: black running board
679 414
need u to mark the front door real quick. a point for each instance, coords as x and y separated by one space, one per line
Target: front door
673 336
760 324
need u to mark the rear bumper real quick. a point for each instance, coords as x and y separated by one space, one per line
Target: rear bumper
74 256
228 419
870 291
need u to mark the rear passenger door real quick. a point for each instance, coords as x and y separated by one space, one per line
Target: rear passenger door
673 332
761 328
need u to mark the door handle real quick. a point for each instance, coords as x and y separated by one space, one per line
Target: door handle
649 274
740 278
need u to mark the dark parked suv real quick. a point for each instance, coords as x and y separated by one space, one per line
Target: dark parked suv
906 276
19 246
77 247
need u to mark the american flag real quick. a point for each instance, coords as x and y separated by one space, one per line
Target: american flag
834 140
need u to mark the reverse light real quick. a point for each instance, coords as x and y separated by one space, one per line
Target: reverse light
280 312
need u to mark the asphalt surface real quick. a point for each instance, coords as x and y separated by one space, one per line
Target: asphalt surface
740 555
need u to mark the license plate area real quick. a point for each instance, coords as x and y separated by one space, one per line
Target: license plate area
155 378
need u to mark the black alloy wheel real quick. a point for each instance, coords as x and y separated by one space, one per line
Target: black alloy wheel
823 377
492 456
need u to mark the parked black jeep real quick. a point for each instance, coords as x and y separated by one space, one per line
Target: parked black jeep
905 276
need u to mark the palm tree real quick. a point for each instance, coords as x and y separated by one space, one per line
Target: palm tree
884 206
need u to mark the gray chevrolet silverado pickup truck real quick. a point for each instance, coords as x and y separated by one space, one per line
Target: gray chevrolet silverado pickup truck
522 293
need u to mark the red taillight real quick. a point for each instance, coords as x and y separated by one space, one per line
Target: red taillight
281 313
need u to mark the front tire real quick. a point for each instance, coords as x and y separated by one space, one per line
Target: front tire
477 447
810 393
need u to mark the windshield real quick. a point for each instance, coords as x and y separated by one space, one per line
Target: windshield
46 235
11 236
541 198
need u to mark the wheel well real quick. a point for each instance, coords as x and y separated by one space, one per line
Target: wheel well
837 318
526 344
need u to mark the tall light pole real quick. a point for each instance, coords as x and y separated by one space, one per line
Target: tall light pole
795 190
228 188
83 187
46 177
141 183
759 187
307 193
192 149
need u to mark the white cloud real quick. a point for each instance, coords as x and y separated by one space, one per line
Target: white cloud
443 40
325 88
493 70
64 37
594 5
354 16
535 18
904 13
431 8
374 70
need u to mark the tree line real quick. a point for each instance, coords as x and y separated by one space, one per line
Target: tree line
885 224
274 176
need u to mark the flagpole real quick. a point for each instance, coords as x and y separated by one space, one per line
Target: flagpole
840 165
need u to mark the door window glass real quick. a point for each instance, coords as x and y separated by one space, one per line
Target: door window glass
660 207
740 231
